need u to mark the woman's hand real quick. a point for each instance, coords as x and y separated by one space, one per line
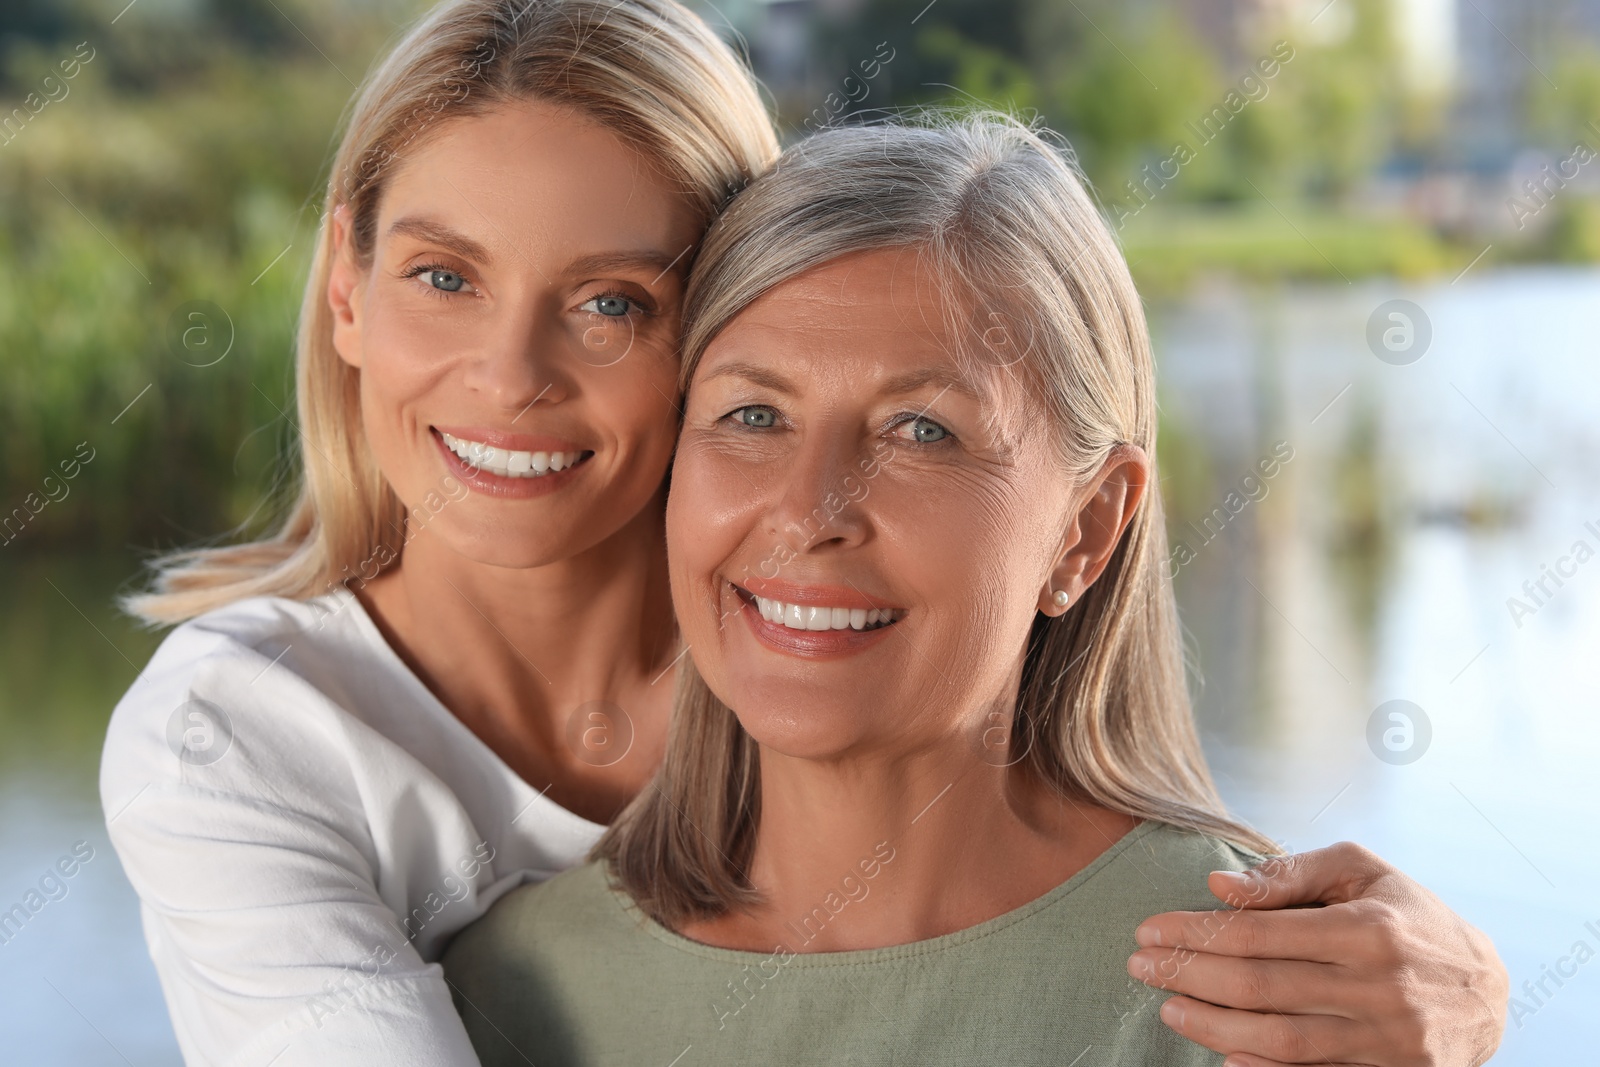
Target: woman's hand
1384 975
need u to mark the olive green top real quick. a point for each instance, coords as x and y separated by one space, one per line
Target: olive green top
570 972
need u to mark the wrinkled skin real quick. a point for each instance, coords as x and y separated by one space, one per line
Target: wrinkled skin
1383 974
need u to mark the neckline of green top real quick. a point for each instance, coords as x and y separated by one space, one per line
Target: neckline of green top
870 956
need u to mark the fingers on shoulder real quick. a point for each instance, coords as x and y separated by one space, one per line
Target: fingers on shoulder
1343 870
1270 1038
1247 984
1225 933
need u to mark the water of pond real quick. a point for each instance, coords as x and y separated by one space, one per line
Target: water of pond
1408 500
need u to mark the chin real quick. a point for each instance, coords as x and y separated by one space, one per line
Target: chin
517 548
805 739
781 719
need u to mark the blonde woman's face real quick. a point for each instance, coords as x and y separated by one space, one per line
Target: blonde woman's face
838 462
517 332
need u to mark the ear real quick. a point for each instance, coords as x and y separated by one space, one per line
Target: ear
1106 504
346 284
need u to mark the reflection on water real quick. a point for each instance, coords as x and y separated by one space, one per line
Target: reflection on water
1379 565
1351 532
77 985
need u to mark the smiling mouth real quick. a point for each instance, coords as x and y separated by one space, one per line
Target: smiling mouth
819 617
507 463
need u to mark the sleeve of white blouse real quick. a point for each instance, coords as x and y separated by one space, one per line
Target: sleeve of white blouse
258 879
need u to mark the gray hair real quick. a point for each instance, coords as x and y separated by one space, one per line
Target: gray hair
1042 290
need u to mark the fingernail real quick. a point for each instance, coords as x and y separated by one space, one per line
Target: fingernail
1172 1014
1235 889
1139 967
1148 937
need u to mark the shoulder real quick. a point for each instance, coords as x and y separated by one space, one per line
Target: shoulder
551 926
260 674
577 902
1159 867
312 636
1163 847
238 633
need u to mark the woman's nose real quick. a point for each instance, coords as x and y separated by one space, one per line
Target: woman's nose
520 363
817 495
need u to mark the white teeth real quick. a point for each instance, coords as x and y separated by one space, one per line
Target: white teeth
808 617
509 464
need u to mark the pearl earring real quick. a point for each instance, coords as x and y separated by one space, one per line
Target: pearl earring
1061 598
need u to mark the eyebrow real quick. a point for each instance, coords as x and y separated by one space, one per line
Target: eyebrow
650 259
911 381
750 372
901 383
433 233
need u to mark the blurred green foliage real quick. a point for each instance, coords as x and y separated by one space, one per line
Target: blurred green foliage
1270 188
182 162
1124 80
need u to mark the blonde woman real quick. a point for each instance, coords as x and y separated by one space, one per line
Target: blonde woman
452 665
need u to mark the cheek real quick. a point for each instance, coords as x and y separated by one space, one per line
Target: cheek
709 512
636 399
400 367
975 552
403 357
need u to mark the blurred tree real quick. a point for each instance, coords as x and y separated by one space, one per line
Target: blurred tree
184 167
1348 96
1123 81
980 74
1559 118
934 48
256 25
35 20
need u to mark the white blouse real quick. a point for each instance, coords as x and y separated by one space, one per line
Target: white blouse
306 826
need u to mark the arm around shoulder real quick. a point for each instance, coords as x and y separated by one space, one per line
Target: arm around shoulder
258 881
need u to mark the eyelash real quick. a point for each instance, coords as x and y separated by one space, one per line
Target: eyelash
420 269
907 416
424 268
894 423
638 305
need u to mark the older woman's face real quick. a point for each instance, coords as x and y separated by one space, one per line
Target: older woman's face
838 465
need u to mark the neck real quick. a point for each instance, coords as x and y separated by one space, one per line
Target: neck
514 653
876 852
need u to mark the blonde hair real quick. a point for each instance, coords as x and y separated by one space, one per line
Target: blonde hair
651 70
1103 711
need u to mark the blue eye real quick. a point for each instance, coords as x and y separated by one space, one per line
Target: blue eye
446 280
757 418
926 431
611 306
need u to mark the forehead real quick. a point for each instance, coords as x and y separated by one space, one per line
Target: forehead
534 171
864 317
